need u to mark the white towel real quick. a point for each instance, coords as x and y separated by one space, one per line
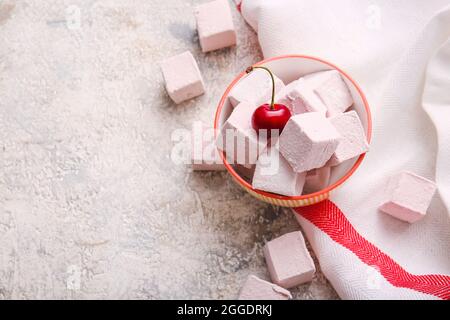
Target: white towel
399 53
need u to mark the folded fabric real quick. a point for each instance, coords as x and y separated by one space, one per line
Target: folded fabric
399 53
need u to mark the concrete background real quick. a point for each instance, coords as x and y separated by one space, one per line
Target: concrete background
91 206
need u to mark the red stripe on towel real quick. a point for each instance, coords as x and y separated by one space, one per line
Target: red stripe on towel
331 220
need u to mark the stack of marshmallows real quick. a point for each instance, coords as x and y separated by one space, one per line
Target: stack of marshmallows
322 132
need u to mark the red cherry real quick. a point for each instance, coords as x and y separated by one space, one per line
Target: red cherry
267 117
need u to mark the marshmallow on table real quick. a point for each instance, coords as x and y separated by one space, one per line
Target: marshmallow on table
408 196
332 90
204 153
288 260
238 139
255 88
317 179
353 139
182 76
257 289
308 140
274 174
215 25
299 97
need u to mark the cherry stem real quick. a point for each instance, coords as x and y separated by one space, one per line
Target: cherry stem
251 68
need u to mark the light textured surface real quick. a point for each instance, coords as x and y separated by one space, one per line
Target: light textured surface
90 204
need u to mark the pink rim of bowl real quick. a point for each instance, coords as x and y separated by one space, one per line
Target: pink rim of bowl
328 189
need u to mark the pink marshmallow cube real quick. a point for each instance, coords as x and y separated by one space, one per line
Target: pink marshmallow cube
283 97
353 139
317 179
299 97
332 90
289 261
215 25
182 76
204 153
257 289
254 88
274 174
238 139
308 140
408 196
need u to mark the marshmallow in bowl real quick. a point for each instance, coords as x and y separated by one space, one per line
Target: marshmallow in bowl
408 196
308 141
257 289
254 88
299 97
331 89
317 179
288 260
353 139
274 174
238 139
215 25
283 96
319 134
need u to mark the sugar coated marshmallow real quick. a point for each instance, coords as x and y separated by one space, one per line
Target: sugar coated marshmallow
332 90
353 139
408 196
182 77
283 96
274 174
238 139
308 141
288 260
299 97
215 25
317 179
254 88
257 289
